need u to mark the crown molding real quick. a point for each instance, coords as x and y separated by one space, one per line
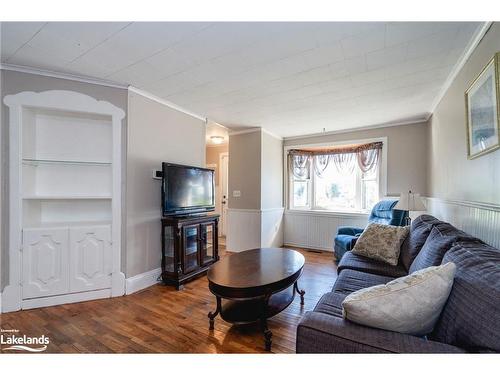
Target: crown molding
255 130
68 76
370 127
272 134
211 122
166 103
474 42
245 131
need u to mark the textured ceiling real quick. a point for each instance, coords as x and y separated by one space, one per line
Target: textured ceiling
290 78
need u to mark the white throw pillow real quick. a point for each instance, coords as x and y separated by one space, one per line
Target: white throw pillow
381 242
410 304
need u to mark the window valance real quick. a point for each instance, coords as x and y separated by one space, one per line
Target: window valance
338 150
366 155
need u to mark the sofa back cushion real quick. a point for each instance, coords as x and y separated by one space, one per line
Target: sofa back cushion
440 240
419 231
470 317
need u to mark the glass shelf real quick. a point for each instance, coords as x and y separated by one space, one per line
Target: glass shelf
73 162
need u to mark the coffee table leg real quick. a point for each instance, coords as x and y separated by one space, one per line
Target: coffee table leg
301 292
212 315
268 335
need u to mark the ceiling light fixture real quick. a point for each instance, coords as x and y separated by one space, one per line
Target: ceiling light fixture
217 139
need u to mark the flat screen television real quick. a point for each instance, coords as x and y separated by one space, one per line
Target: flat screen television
187 190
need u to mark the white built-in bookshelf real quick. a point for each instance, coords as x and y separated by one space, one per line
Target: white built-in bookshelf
65 199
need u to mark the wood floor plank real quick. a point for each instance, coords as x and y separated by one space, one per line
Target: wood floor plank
160 319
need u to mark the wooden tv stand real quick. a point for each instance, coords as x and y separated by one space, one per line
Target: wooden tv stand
189 246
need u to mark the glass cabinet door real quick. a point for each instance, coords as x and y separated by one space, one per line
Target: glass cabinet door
191 238
207 253
168 249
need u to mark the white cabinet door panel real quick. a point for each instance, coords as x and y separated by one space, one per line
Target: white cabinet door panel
90 258
45 262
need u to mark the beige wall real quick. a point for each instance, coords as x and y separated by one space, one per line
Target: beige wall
156 133
15 82
406 153
271 172
244 170
451 174
256 169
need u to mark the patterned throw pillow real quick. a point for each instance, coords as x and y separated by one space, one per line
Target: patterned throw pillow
381 242
411 304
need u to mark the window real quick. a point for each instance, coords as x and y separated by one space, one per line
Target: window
335 183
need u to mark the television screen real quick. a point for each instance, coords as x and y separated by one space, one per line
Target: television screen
187 189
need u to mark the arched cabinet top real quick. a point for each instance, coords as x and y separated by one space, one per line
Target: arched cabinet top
63 100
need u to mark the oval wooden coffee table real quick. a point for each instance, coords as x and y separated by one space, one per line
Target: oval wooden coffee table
256 285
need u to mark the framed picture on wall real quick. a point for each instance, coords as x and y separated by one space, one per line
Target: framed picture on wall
482 103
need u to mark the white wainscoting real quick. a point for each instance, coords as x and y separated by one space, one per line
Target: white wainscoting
316 230
243 229
479 219
272 227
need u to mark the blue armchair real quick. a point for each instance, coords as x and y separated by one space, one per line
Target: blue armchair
383 213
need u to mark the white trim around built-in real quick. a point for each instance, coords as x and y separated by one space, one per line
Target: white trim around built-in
68 76
62 100
167 103
469 49
142 281
65 298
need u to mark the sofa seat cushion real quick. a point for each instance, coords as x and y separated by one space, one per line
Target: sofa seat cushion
350 281
470 317
419 231
331 304
360 263
440 240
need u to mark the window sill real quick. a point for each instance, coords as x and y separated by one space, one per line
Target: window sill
327 213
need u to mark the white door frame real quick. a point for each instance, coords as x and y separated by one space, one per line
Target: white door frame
223 220
65 101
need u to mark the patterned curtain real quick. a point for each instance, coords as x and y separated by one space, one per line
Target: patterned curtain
321 163
345 163
299 165
368 159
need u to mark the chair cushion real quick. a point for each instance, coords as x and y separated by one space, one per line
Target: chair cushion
350 281
470 318
360 263
440 240
381 242
410 304
419 231
344 241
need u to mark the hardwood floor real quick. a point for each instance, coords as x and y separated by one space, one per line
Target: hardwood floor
160 319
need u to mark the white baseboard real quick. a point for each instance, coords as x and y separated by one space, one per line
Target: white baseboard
66 298
143 280
326 249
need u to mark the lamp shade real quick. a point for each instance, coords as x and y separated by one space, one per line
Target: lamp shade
410 202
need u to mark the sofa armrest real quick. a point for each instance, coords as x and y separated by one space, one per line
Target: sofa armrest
322 333
351 231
